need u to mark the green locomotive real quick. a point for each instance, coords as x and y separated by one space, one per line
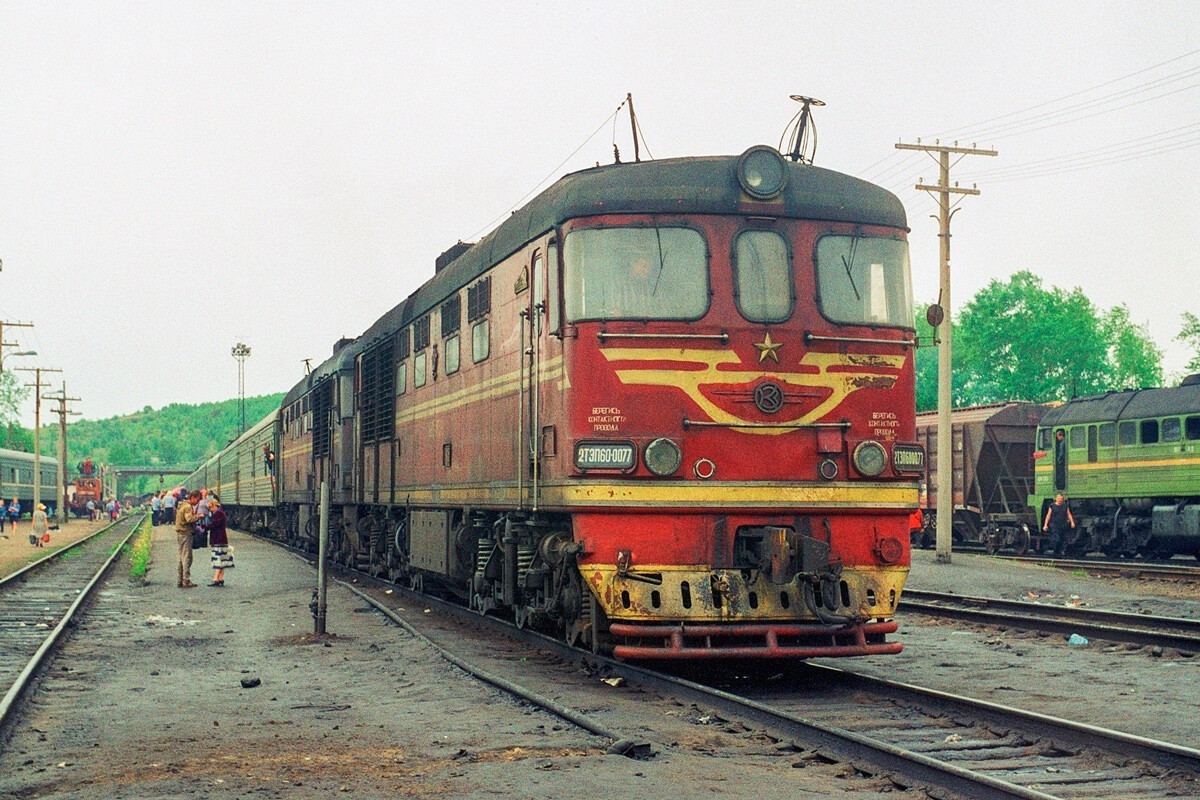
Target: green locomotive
1129 464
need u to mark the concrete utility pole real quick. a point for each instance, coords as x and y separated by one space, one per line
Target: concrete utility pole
4 344
322 561
37 429
63 412
941 324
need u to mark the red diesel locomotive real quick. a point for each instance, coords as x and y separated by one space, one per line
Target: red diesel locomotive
665 409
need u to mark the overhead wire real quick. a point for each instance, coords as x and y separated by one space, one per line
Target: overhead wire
548 176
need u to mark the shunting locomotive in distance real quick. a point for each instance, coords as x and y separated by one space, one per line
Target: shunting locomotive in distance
665 409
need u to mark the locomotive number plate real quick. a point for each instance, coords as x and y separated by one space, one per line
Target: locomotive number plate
604 455
908 458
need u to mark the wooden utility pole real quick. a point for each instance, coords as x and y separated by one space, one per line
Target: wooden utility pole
62 412
37 429
942 327
4 344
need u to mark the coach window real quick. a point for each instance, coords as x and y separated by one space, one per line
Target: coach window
479 306
451 323
864 280
635 274
420 346
1108 434
1149 431
1078 437
764 276
1171 430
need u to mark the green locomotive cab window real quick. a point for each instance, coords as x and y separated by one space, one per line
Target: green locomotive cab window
635 273
1149 431
864 281
1078 437
1127 433
1108 434
1171 430
764 276
1043 439
1191 428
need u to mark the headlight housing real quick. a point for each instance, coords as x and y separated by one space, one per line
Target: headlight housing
762 172
663 457
870 459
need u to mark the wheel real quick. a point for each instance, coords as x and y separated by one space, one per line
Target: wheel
1020 540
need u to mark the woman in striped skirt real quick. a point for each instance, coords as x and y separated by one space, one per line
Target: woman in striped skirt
218 540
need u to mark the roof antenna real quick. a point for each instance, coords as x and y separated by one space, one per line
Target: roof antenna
801 132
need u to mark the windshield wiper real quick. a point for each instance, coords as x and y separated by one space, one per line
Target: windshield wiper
661 261
849 265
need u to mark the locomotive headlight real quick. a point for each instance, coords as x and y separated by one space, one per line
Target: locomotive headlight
870 458
762 172
663 457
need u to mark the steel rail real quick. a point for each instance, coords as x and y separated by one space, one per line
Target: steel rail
55 554
848 745
1117 626
8 703
1133 569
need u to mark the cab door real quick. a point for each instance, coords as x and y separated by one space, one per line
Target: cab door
546 373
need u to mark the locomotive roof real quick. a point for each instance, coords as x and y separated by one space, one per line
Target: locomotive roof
698 185
1132 404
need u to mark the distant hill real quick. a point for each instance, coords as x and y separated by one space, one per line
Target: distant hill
178 434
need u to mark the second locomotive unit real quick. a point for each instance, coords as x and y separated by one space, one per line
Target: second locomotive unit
665 409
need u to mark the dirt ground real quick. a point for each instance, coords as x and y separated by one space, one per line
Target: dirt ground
16 551
150 699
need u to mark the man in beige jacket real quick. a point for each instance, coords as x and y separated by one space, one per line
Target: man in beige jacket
185 523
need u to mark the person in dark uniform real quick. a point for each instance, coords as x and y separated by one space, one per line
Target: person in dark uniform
1058 520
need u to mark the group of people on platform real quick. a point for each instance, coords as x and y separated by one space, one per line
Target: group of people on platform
199 519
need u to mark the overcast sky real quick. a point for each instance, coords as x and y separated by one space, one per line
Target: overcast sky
178 177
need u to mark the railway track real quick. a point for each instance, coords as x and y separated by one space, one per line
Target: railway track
1114 626
928 738
1116 569
38 603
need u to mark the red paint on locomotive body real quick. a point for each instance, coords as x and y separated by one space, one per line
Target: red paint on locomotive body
647 399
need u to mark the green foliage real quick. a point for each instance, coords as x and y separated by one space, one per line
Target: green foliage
927 362
12 393
1018 340
176 435
1189 334
139 554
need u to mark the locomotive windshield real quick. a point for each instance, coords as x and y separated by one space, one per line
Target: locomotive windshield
864 281
635 273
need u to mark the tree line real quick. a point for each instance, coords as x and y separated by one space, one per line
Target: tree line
1020 340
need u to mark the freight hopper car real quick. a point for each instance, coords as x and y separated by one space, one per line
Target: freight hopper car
665 410
992 457
243 478
17 475
1129 464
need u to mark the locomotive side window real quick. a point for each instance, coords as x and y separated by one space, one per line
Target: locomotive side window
1191 428
635 273
479 305
1078 438
864 281
1043 439
1127 433
451 323
1171 430
402 346
764 276
1149 431
420 346
1108 434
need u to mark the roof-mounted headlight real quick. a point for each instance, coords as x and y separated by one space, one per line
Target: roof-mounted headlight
762 172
